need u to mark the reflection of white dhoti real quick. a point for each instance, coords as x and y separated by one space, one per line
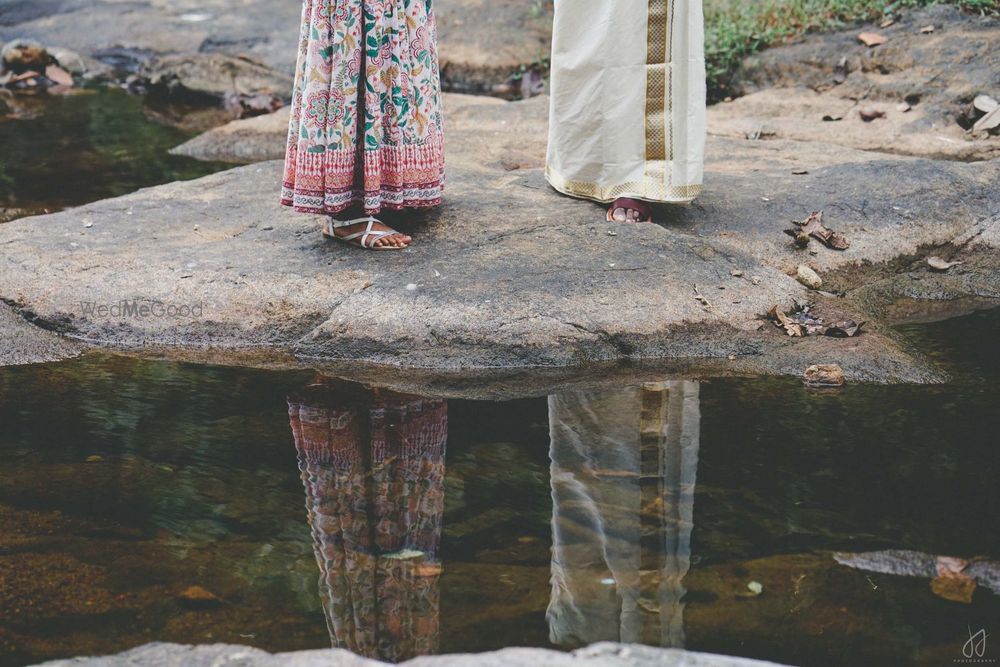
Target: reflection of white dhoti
623 475
628 99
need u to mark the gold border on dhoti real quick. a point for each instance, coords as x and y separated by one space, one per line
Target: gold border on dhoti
648 189
656 85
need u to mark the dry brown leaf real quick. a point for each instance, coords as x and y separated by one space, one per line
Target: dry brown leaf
939 264
791 327
813 227
886 23
844 329
872 38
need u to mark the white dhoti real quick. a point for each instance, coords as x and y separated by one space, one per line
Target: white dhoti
628 100
624 464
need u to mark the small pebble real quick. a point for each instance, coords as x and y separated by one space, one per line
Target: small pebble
808 277
411 287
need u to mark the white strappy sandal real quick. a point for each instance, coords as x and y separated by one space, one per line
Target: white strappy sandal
365 239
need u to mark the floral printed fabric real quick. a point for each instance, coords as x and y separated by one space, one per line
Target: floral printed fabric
366 125
373 473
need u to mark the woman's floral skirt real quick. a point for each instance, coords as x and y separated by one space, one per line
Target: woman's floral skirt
366 124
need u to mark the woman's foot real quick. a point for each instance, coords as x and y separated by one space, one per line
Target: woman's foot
368 233
625 209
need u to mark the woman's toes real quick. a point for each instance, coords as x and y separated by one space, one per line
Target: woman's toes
619 215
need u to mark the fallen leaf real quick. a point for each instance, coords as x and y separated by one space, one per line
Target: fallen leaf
94 459
939 264
813 226
792 328
985 103
927 29
868 115
824 375
58 75
886 23
844 329
872 38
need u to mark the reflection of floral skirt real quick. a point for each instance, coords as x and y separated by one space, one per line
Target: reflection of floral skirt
366 123
373 472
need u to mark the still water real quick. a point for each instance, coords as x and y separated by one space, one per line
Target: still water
87 144
148 500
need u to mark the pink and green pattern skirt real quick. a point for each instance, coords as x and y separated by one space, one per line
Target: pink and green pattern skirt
366 125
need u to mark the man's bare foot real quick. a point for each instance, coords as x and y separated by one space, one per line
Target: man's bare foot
625 209
369 234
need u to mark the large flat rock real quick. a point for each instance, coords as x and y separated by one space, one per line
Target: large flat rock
223 655
509 273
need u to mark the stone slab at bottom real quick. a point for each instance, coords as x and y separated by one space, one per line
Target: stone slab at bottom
604 654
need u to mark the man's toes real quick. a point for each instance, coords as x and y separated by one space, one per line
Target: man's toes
619 215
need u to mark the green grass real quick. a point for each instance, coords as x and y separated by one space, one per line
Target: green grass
738 28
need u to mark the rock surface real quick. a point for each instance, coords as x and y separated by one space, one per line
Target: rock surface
596 655
505 36
913 78
509 273
27 344
242 141
215 75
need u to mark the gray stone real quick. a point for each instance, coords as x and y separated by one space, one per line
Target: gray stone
604 654
790 89
263 137
214 75
242 141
